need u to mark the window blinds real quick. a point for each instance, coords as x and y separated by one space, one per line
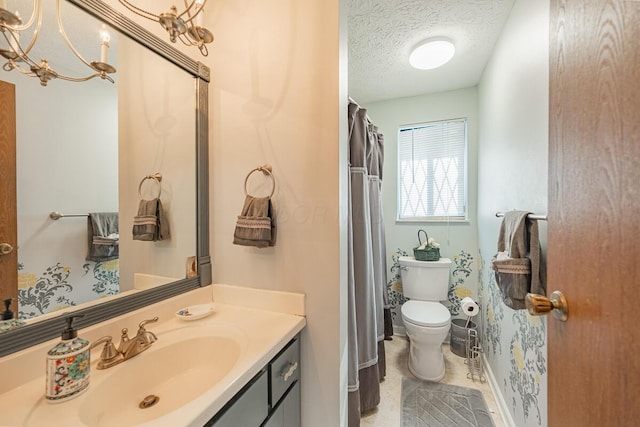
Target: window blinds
432 170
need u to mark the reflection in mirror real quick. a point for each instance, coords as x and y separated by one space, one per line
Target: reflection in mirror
85 148
105 155
67 161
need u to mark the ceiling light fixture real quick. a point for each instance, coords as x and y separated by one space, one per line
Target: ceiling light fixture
185 26
432 53
17 56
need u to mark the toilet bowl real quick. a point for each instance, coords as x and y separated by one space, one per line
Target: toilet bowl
427 325
426 320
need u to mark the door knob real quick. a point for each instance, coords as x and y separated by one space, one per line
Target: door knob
5 249
539 305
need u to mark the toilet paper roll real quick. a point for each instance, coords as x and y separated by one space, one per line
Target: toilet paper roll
469 307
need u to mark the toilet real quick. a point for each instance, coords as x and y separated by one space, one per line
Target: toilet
425 319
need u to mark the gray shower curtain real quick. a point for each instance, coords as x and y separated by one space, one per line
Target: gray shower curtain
368 302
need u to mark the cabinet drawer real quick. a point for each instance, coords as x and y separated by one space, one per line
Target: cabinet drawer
284 370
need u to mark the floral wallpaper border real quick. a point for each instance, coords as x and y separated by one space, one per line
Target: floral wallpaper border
54 288
524 366
528 362
458 289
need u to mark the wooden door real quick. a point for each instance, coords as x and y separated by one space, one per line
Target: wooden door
594 212
8 223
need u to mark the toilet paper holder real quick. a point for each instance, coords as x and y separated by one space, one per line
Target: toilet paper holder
469 307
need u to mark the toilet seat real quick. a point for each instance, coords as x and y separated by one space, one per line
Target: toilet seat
426 313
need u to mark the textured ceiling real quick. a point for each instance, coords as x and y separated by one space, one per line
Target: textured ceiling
383 32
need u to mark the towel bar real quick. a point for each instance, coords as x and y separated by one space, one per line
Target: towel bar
57 215
530 216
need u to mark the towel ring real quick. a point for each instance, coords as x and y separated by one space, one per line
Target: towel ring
265 169
157 177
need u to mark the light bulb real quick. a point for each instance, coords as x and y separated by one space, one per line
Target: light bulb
432 54
105 37
200 14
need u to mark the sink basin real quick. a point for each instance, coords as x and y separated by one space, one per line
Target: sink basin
194 368
192 361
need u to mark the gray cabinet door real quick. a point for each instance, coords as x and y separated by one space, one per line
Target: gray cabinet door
292 407
276 419
287 414
250 409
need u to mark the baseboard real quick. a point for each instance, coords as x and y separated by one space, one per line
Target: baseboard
497 393
399 330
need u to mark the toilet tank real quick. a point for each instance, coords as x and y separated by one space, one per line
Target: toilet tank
425 280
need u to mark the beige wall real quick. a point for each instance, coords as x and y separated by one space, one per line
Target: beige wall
155 137
276 97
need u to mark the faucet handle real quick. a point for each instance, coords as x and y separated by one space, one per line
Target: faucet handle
109 355
145 322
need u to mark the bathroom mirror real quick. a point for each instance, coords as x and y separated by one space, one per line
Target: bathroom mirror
92 147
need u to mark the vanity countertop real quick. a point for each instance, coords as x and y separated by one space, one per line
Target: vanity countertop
260 331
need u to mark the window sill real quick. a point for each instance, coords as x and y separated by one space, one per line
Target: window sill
433 221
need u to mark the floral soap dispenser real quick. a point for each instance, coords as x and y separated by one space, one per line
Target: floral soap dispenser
68 365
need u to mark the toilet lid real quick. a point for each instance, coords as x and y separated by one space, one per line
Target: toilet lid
426 313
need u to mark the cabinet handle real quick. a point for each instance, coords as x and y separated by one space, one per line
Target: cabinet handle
292 368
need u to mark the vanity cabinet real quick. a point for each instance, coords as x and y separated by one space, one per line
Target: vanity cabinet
270 399
287 412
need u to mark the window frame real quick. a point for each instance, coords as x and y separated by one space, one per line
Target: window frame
440 218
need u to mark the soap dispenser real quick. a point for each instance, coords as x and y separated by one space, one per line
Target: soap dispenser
68 364
7 318
7 314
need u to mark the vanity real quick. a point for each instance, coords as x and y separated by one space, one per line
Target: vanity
271 398
238 366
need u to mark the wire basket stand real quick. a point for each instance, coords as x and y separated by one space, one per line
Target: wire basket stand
473 360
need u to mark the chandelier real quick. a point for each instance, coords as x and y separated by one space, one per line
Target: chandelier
17 52
185 26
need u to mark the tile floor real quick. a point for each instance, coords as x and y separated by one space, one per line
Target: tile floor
387 414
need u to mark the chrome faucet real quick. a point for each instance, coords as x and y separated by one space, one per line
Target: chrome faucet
128 347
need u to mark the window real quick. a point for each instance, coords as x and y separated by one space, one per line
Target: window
432 169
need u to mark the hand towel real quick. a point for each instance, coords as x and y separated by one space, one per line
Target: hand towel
151 222
518 263
255 225
102 233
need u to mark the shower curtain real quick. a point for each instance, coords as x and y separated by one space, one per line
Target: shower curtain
369 310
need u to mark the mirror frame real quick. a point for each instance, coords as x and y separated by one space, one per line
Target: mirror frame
40 331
